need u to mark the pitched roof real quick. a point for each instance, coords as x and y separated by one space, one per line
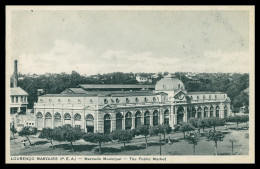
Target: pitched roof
115 86
77 90
17 91
204 93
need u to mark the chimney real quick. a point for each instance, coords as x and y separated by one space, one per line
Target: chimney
15 75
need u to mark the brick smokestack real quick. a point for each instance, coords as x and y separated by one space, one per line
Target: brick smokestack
15 75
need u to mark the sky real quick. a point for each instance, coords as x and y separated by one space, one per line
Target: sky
92 42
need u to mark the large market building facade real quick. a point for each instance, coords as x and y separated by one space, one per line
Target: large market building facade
104 108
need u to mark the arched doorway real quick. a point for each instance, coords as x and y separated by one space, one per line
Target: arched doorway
166 116
57 119
199 112
193 112
39 120
67 118
138 119
180 114
48 120
119 120
107 123
128 120
90 123
217 111
225 112
205 112
155 117
147 118
211 111
77 120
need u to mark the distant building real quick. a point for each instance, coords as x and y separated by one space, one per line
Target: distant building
19 101
113 109
17 94
143 79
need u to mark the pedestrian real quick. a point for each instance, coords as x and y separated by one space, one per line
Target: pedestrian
23 144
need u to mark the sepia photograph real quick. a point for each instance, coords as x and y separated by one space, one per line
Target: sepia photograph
130 84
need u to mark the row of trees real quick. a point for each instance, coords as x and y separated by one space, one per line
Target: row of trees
72 134
232 84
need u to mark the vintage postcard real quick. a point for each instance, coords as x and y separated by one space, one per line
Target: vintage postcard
130 84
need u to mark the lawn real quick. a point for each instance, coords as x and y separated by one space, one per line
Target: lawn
178 146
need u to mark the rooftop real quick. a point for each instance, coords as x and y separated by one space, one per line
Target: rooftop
115 86
17 91
104 93
207 92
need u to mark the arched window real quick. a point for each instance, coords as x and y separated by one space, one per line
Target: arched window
79 101
204 97
216 97
91 101
191 97
209 97
77 116
119 120
166 116
107 123
128 120
50 100
112 101
199 112
105 101
90 123
48 115
57 119
211 111
127 100
59 101
225 112
41 101
57 115
137 119
39 115
205 112
179 86
155 118
67 116
147 118
198 97
217 111
193 112
69 101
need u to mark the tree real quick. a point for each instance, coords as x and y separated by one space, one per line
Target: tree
185 127
122 135
164 129
143 130
13 130
72 134
47 133
215 136
97 138
215 121
203 123
196 123
193 138
237 119
27 131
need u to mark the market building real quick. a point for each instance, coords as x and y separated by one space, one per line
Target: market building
106 108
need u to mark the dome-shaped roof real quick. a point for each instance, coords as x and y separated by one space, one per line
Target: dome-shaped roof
169 82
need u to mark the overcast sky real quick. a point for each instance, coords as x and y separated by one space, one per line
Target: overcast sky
92 42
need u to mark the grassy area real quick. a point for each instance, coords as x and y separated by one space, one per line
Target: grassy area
178 146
